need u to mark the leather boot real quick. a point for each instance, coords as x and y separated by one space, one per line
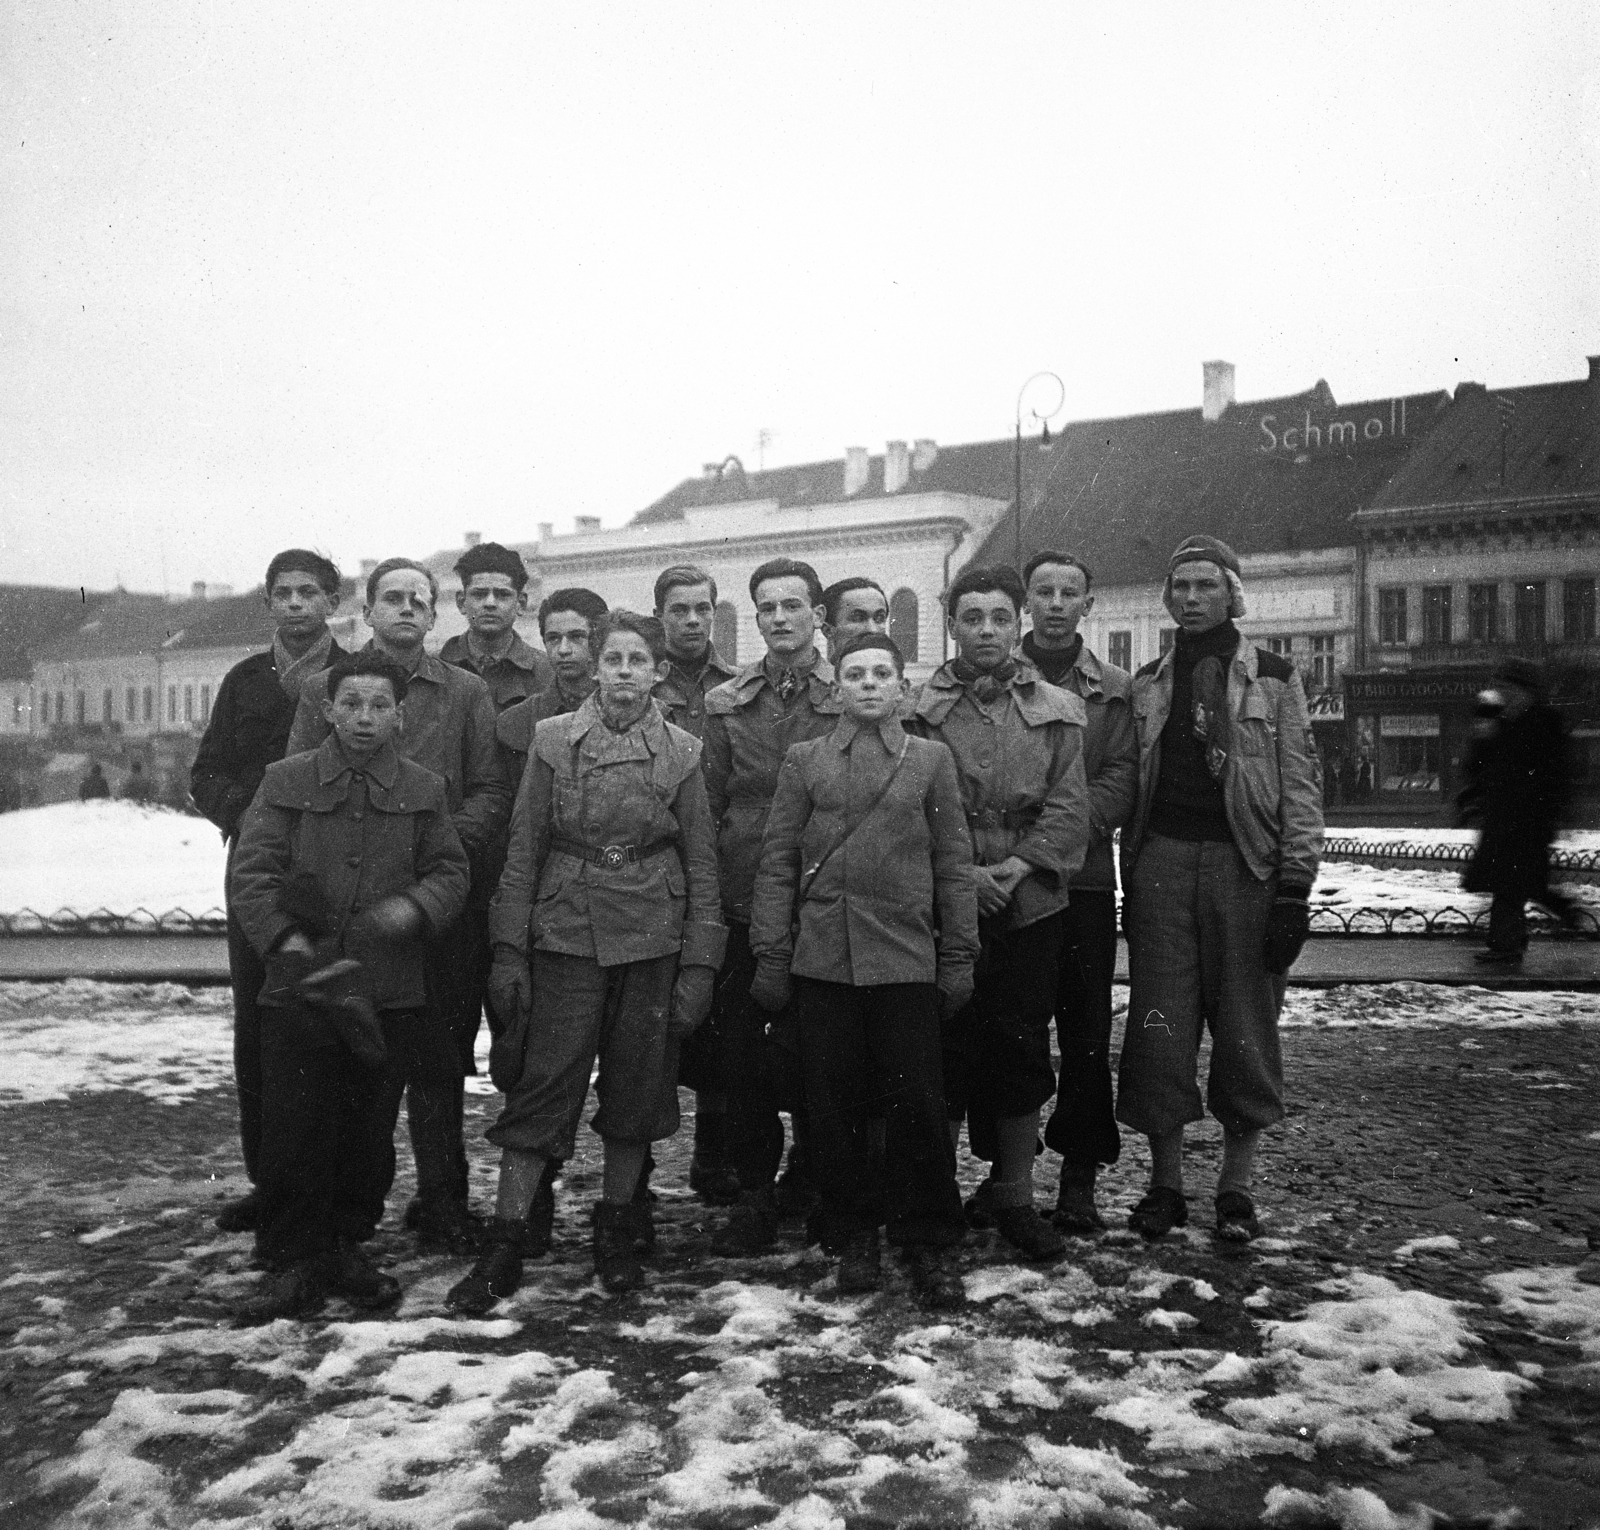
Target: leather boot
498 1271
620 1235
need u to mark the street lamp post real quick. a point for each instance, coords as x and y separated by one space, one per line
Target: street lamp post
1043 417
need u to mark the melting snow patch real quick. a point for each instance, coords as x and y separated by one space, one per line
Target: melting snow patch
1554 1302
1442 1243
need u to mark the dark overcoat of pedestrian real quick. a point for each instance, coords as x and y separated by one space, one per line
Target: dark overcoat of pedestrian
1517 785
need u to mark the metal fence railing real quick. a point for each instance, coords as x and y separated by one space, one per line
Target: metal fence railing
140 921
1348 847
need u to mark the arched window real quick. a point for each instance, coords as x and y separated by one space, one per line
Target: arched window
725 632
903 623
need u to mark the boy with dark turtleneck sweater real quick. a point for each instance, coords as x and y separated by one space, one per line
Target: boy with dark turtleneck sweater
1217 866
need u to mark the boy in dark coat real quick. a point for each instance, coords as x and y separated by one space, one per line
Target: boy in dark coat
371 834
607 935
1517 787
248 731
867 839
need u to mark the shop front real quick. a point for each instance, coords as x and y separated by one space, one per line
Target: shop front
1406 738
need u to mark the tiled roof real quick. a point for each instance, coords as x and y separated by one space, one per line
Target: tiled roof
1123 492
32 615
130 624
1551 438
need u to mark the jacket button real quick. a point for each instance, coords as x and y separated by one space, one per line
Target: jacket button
355 860
986 762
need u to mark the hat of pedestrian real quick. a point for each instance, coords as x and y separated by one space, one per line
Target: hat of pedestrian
1523 672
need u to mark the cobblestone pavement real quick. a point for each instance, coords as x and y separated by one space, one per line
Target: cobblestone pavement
1427 1158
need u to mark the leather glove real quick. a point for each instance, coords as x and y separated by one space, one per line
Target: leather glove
394 918
1287 927
691 1001
772 988
510 988
287 966
955 992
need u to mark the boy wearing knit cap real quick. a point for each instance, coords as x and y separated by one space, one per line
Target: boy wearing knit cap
1218 862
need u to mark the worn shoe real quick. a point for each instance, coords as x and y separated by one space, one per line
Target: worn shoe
1075 1209
498 1271
295 1292
714 1183
979 1208
350 1274
861 1264
241 1215
1158 1213
1028 1232
621 1234
751 1228
1236 1217
447 1227
935 1280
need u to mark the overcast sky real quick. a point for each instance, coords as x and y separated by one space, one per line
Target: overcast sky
366 277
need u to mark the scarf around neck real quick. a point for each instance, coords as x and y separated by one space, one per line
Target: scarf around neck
985 687
292 671
1209 654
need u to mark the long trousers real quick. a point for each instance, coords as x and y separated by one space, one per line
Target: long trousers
997 1050
874 1052
319 1159
761 1068
458 982
246 973
1508 917
1083 1126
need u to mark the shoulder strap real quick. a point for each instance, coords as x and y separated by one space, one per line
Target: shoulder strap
857 819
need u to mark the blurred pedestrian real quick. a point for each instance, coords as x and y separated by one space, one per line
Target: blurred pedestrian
94 784
1518 781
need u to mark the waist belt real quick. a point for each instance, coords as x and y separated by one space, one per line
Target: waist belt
1009 818
612 857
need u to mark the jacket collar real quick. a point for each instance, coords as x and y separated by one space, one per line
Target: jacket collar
713 673
1038 702
587 726
430 669
888 729
333 762
520 654
750 679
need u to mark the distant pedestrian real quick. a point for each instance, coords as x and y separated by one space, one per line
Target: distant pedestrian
1347 779
94 784
1518 782
1218 863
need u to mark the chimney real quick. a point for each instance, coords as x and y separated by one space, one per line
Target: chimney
896 467
924 454
473 538
547 529
197 590
584 524
1218 390
1594 369
856 468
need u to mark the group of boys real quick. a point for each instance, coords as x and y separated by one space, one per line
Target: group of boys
796 888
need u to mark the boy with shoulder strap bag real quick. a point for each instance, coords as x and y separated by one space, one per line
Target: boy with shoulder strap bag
865 915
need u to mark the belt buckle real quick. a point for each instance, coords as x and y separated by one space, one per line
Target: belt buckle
614 857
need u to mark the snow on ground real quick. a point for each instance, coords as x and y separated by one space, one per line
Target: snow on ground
1570 839
1350 887
116 856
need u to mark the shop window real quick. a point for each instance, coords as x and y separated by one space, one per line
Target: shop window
903 619
1436 614
1119 650
1577 609
725 632
1282 646
1392 616
1169 636
1530 612
1408 753
1483 613
131 710
1322 675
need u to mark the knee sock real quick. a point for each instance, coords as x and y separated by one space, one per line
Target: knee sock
1238 1161
520 1174
623 1163
1166 1160
1019 1137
